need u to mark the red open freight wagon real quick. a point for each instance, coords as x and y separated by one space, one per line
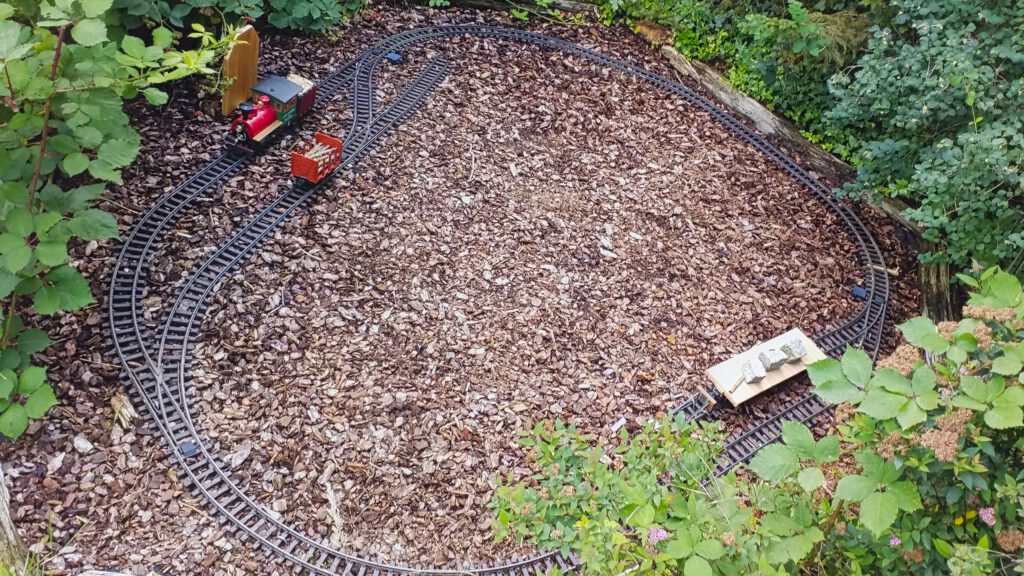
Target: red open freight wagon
316 159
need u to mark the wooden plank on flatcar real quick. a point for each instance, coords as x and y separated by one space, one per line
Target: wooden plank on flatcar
727 374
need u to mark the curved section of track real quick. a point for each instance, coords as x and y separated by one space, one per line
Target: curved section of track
156 366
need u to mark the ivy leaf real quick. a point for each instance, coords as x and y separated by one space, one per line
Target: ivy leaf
89 32
93 224
855 488
13 421
1003 416
40 401
921 332
1006 366
882 405
856 366
31 379
799 438
74 164
697 566
810 479
117 153
52 253
775 462
878 512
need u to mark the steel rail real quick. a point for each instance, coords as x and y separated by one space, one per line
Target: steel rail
167 403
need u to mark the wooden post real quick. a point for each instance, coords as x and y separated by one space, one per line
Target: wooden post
936 289
12 550
240 63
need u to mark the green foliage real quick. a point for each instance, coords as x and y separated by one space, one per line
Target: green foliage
780 53
310 15
654 505
317 16
935 106
941 464
63 125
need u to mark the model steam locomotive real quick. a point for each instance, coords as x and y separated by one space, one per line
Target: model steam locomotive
276 102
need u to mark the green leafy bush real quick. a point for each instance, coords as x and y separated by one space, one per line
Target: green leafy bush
925 475
653 504
317 16
62 127
935 104
937 466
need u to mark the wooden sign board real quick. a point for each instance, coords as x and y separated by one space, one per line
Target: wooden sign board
726 374
240 63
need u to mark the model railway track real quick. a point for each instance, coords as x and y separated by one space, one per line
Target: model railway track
156 365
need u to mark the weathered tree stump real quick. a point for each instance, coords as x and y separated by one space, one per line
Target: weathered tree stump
936 290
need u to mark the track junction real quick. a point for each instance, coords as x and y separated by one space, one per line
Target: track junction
155 365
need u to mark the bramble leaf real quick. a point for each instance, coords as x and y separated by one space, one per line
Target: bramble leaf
13 421
40 401
810 479
775 462
93 224
89 32
856 366
878 511
798 437
31 379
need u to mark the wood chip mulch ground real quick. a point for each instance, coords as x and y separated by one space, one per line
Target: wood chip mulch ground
543 239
